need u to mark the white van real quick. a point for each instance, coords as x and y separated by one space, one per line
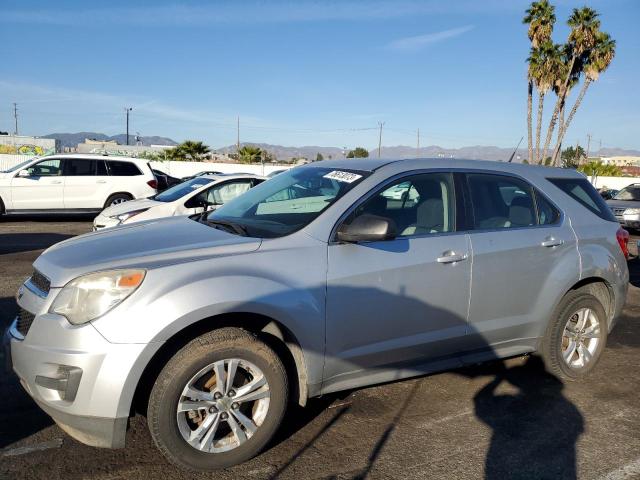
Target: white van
74 183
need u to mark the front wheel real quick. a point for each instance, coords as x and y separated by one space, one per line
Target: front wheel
576 336
218 401
117 199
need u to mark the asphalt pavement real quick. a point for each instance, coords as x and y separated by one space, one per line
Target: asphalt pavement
505 419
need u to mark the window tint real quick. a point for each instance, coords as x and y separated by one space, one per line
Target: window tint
547 213
76 167
101 168
418 205
123 169
46 168
500 202
583 192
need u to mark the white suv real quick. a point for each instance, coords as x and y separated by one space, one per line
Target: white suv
74 183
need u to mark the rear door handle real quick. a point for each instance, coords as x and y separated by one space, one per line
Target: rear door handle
101 181
552 242
56 182
451 257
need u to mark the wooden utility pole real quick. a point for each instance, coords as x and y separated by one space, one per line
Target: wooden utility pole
588 146
380 124
418 146
15 117
238 135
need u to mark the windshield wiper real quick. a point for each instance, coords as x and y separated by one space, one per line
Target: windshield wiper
231 227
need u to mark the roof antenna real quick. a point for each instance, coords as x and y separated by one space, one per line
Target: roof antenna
515 150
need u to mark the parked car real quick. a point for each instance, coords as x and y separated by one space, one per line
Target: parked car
200 174
74 184
165 180
214 324
275 172
625 205
187 198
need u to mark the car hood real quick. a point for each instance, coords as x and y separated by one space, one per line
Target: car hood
147 244
624 203
129 206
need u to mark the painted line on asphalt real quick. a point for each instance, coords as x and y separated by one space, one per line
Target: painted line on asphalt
630 470
13 452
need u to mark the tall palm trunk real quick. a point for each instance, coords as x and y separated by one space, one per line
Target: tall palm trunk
529 119
539 124
572 113
559 105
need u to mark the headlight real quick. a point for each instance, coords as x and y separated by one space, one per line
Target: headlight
126 216
88 297
632 211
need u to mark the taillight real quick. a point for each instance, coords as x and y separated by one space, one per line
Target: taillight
623 240
154 184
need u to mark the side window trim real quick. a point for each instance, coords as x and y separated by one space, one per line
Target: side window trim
380 187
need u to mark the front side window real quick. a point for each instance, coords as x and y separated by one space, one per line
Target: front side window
122 169
46 168
221 194
632 192
500 202
75 167
287 202
418 205
181 189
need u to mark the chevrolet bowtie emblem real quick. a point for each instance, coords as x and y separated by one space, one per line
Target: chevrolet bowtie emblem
20 292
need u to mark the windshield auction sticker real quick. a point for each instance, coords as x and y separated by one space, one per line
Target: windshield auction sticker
340 176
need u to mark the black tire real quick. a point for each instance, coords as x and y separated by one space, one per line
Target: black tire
117 198
214 346
552 343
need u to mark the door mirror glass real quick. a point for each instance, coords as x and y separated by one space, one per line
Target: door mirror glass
367 228
23 173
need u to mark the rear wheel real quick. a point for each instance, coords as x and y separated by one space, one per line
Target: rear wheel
218 401
576 336
116 199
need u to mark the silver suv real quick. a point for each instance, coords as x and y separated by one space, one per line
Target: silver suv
324 278
625 205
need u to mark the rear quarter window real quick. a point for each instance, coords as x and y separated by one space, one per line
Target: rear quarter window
580 190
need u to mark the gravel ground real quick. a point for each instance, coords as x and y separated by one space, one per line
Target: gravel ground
500 420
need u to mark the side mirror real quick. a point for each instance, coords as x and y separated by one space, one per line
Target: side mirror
367 228
23 173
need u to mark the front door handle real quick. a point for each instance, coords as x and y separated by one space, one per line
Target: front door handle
56 182
101 181
552 242
451 257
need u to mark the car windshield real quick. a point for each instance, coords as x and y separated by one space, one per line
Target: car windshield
19 166
631 192
287 202
180 190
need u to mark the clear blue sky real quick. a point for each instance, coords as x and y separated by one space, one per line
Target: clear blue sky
299 72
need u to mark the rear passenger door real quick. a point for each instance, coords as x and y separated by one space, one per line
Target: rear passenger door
85 183
519 239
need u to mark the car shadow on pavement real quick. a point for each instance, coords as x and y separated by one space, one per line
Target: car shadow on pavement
24 242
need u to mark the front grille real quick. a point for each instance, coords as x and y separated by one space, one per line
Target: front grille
25 319
618 211
40 281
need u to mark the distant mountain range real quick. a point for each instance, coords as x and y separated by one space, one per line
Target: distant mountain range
73 139
477 152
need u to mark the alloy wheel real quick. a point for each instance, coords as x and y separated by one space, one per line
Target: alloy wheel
580 338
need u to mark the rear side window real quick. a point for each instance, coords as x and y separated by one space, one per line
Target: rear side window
76 167
123 169
583 192
501 202
547 213
101 168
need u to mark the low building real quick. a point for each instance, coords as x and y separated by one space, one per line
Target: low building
28 146
622 161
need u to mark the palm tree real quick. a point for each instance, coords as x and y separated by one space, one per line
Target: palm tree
249 154
584 25
193 150
541 18
596 62
543 67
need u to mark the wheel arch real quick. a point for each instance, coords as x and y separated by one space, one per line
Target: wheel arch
271 331
602 290
130 195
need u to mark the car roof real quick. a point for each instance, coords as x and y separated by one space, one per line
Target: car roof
227 176
370 165
96 156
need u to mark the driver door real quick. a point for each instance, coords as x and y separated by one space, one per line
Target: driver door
43 189
395 306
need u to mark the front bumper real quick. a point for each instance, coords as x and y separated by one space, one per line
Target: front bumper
629 221
75 375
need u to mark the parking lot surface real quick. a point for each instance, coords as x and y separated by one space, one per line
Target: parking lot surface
505 419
